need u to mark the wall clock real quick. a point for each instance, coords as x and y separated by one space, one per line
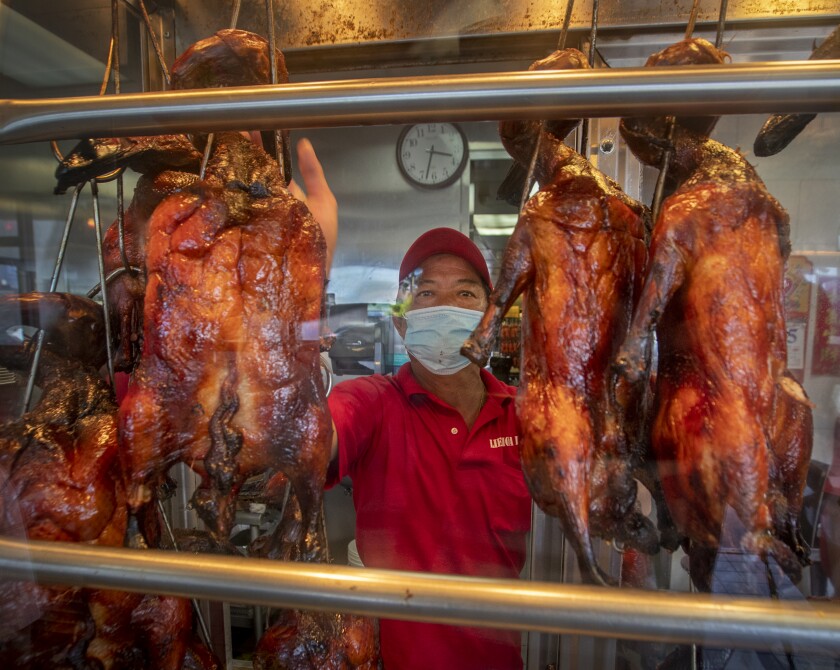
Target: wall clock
432 155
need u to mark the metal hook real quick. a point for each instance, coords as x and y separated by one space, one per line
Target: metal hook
152 36
94 191
111 277
59 261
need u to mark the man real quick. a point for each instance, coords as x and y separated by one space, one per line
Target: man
432 451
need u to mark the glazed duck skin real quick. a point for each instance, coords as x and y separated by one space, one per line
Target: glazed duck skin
577 256
61 481
713 294
229 377
781 129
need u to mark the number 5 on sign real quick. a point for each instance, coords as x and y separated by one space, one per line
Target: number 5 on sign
796 332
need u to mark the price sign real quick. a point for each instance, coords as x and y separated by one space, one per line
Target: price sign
796 334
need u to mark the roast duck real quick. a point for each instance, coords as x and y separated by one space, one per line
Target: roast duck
228 379
304 640
229 289
577 256
218 290
781 129
167 163
60 480
731 428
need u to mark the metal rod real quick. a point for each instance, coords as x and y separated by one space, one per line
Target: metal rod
272 45
498 603
692 19
738 88
153 36
272 40
664 166
108 65
234 19
59 261
205 633
121 223
721 24
115 37
205 158
593 35
94 191
567 19
532 166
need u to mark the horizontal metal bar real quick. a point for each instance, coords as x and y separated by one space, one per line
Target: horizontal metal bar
497 603
779 87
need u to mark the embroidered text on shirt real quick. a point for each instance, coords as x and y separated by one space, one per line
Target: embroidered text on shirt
497 442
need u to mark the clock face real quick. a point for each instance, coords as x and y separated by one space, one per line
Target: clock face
432 155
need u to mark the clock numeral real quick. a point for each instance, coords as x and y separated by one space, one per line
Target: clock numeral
412 142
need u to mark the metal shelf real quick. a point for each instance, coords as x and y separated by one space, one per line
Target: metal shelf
511 604
778 87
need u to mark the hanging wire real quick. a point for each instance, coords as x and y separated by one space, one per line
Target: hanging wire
94 191
208 149
664 166
153 37
205 633
692 19
721 24
272 43
235 18
529 179
593 34
111 64
561 43
108 66
211 138
59 261
115 41
121 223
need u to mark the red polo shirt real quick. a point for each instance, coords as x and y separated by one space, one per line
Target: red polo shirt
434 496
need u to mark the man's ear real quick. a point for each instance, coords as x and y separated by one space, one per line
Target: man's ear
399 324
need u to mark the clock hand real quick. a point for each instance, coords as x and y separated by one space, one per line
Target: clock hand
440 153
431 154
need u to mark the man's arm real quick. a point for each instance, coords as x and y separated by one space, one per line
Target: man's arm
318 196
334 444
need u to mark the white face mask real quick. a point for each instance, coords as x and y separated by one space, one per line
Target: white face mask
434 336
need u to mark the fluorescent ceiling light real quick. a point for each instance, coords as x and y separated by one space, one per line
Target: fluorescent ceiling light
494 224
36 57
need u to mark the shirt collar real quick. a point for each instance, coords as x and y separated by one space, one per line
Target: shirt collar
497 393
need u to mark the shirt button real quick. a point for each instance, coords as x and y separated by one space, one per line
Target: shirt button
454 431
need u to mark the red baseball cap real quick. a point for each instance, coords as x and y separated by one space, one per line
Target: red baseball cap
444 241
